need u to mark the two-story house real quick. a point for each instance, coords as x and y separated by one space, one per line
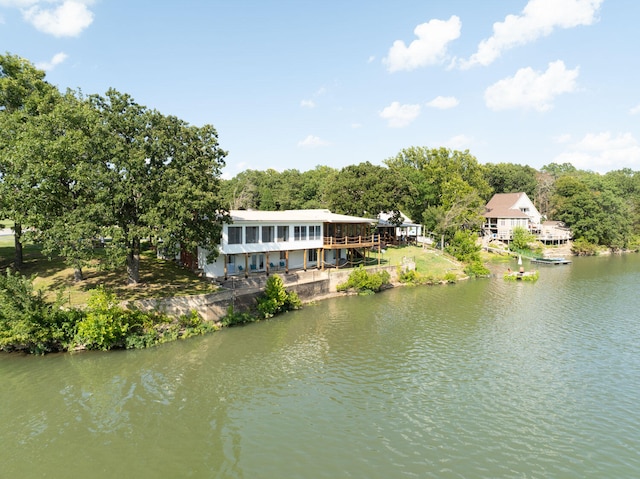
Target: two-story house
265 241
506 211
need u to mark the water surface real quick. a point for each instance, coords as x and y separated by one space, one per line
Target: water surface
485 378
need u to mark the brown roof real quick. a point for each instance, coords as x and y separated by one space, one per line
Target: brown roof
501 206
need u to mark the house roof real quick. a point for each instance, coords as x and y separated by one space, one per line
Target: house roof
288 216
385 217
502 205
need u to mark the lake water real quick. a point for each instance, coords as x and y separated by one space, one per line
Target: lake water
481 379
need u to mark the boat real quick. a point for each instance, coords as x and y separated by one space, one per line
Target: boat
551 261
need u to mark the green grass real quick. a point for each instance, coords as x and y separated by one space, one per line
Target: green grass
428 261
158 278
6 224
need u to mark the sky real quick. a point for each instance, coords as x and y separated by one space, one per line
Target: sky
293 84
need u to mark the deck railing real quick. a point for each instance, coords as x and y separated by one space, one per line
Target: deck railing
352 241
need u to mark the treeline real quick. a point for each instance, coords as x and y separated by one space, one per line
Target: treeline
446 191
76 170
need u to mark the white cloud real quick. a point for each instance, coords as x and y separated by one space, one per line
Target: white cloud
68 19
57 59
444 102
399 116
539 18
602 152
308 104
635 110
429 49
18 3
312 141
459 142
531 89
563 138
371 59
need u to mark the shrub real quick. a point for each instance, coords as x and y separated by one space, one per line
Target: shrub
477 268
582 247
362 281
28 322
464 246
232 317
106 324
276 299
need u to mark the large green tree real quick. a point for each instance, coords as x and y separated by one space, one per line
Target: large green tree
366 190
511 178
161 180
55 150
24 94
446 188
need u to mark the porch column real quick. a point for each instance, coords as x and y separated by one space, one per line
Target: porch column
267 264
246 265
226 271
286 261
304 259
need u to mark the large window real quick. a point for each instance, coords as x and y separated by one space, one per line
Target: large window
267 234
235 234
252 234
312 255
314 232
283 233
299 233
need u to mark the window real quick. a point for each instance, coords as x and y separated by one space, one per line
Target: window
314 232
252 234
299 233
312 255
235 235
283 233
267 234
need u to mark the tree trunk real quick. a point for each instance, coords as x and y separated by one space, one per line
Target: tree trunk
77 274
133 262
17 238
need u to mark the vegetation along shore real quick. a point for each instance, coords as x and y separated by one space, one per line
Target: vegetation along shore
104 201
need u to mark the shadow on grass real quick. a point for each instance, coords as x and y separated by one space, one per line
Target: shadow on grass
158 278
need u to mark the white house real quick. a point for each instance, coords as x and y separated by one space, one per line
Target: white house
392 233
506 211
264 241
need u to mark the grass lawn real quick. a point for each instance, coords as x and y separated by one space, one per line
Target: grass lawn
429 261
6 224
158 278
162 278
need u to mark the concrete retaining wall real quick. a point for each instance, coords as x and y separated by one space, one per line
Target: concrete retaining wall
241 293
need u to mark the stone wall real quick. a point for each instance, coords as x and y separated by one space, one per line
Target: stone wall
241 293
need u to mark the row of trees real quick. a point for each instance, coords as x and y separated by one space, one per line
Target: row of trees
446 191
74 169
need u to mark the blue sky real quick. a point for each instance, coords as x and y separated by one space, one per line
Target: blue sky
297 83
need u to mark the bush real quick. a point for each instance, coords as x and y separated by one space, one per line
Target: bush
477 268
582 247
106 323
232 318
28 322
276 299
464 246
362 281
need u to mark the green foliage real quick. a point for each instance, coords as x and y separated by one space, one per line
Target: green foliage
477 268
106 324
409 276
276 299
363 281
464 246
582 247
450 277
232 318
28 322
522 238
531 276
